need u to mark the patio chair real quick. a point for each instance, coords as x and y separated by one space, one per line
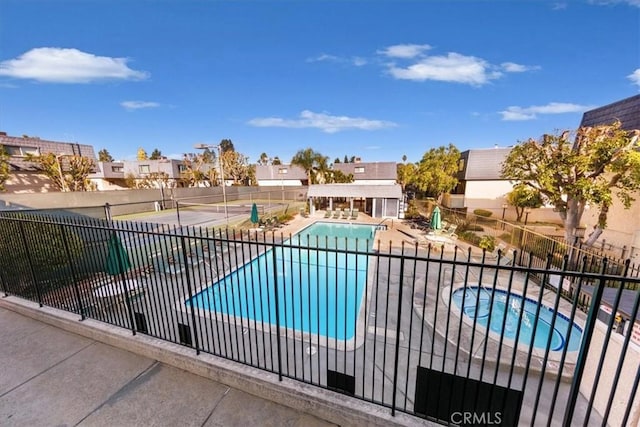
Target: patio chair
354 214
337 213
327 214
346 213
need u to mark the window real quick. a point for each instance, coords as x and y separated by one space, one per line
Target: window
283 171
461 165
144 169
358 169
21 151
182 168
117 168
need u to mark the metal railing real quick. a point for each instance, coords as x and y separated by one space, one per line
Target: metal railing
411 329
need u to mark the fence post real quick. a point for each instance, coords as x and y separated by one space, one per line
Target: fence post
584 347
107 211
30 261
398 321
185 260
178 212
74 277
275 286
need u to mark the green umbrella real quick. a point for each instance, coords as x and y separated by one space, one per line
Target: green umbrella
436 220
254 214
117 258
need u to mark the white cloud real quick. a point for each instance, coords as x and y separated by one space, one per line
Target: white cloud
512 67
405 51
559 6
58 65
515 113
635 77
454 68
635 3
358 61
137 105
323 121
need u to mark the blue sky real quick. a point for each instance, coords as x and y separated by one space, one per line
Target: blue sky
375 79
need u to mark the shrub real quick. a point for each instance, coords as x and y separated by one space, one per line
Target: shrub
412 210
483 213
488 243
469 237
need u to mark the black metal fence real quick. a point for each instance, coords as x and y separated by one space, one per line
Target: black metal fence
418 330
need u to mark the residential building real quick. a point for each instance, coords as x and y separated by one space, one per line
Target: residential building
24 177
370 173
280 175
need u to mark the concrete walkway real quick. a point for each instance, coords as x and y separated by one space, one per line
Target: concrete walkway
51 377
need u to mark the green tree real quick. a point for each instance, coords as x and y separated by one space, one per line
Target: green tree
4 167
522 196
338 177
308 160
406 174
276 161
104 156
436 171
198 171
66 172
142 154
346 159
601 163
404 158
337 160
155 154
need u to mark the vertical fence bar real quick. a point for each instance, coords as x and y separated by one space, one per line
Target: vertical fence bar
277 297
398 324
73 273
187 274
584 347
30 262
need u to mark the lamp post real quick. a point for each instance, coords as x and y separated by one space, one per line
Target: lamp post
504 209
224 191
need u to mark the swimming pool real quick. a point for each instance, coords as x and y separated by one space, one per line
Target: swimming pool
320 291
478 307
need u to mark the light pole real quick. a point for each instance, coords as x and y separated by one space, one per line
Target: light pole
224 191
504 209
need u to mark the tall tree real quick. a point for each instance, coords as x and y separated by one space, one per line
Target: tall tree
155 154
104 156
235 166
406 174
337 160
4 167
66 172
404 158
522 196
308 160
226 145
197 170
276 161
436 171
142 154
601 163
346 159
264 159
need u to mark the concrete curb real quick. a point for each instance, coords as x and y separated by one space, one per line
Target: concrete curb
336 408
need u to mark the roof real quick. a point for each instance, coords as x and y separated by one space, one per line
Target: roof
372 170
485 164
627 111
355 190
275 172
609 295
43 146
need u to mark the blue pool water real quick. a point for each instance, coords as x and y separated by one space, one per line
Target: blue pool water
319 291
479 306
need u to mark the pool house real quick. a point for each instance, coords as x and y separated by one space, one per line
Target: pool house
376 200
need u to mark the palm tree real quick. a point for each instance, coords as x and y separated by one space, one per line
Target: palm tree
307 159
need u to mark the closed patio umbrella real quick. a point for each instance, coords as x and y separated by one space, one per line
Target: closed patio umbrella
255 218
436 220
117 257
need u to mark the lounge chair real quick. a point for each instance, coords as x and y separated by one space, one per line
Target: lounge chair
346 213
337 213
327 214
354 214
